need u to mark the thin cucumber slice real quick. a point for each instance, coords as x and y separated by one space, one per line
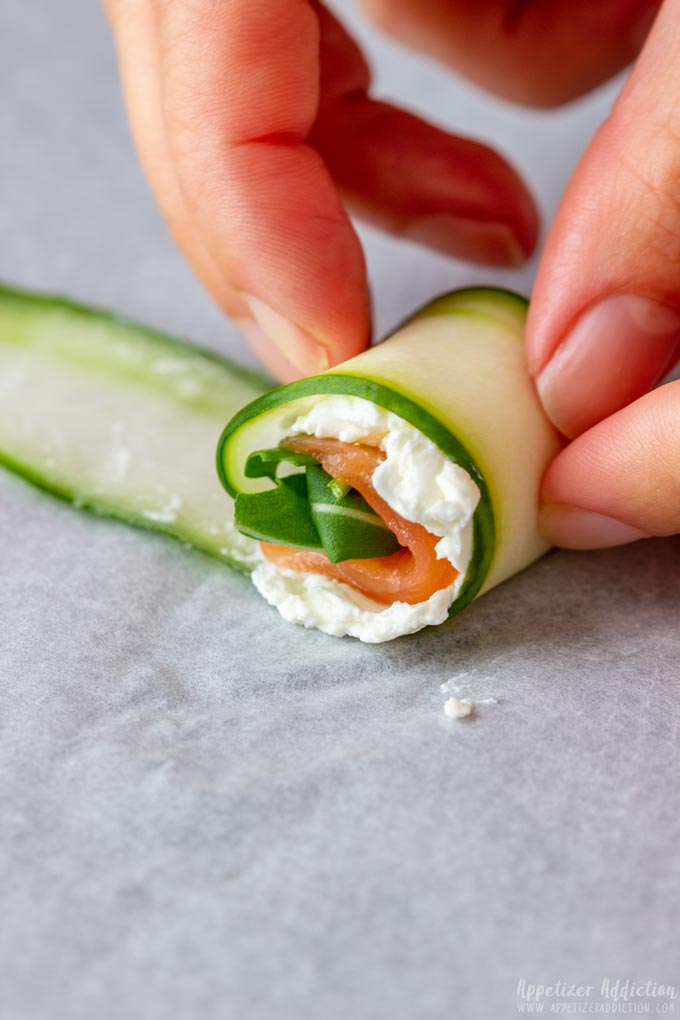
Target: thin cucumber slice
461 358
456 372
120 419
124 420
272 412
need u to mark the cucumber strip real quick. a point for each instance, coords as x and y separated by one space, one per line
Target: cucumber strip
456 372
269 413
120 419
123 420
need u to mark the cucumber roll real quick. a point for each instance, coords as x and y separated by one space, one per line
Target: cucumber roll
389 492
371 500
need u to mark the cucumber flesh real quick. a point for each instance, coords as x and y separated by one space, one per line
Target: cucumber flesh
120 419
456 372
124 420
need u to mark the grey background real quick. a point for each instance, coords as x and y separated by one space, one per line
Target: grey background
207 813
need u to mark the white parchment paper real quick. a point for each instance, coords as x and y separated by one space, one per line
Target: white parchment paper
207 813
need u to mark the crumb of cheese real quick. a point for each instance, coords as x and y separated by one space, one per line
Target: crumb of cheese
459 708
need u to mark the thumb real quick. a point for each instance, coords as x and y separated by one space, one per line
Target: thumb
620 480
604 325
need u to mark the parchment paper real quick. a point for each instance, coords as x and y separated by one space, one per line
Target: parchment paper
207 813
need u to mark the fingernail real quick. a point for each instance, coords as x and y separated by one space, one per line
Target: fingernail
268 355
491 243
574 528
615 353
298 347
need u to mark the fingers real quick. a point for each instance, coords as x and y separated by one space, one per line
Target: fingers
410 178
240 83
604 323
541 54
620 480
137 45
415 181
237 87
227 103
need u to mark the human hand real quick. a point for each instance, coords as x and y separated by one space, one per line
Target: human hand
251 117
604 324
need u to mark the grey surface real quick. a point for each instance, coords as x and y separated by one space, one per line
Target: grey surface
207 813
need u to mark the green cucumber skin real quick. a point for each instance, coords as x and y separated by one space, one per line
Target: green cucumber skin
491 304
105 510
389 397
479 302
40 304
44 301
484 533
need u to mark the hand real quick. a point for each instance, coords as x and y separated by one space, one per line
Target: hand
251 117
604 324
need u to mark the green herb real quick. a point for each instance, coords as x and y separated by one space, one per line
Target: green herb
309 509
348 527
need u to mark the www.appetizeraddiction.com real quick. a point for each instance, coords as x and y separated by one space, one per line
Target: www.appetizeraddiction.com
610 998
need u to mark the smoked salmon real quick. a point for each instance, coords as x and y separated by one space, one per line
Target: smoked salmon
411 575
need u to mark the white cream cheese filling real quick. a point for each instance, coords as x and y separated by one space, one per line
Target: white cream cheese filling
418 481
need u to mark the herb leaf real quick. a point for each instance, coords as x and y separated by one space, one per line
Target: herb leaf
265 463
348 527
280 515
310 510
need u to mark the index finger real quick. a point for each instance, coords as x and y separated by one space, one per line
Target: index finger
240 93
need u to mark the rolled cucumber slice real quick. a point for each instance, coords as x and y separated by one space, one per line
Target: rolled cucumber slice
120 419
124 421
455 370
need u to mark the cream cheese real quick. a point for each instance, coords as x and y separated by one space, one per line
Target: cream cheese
459 708
418 481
